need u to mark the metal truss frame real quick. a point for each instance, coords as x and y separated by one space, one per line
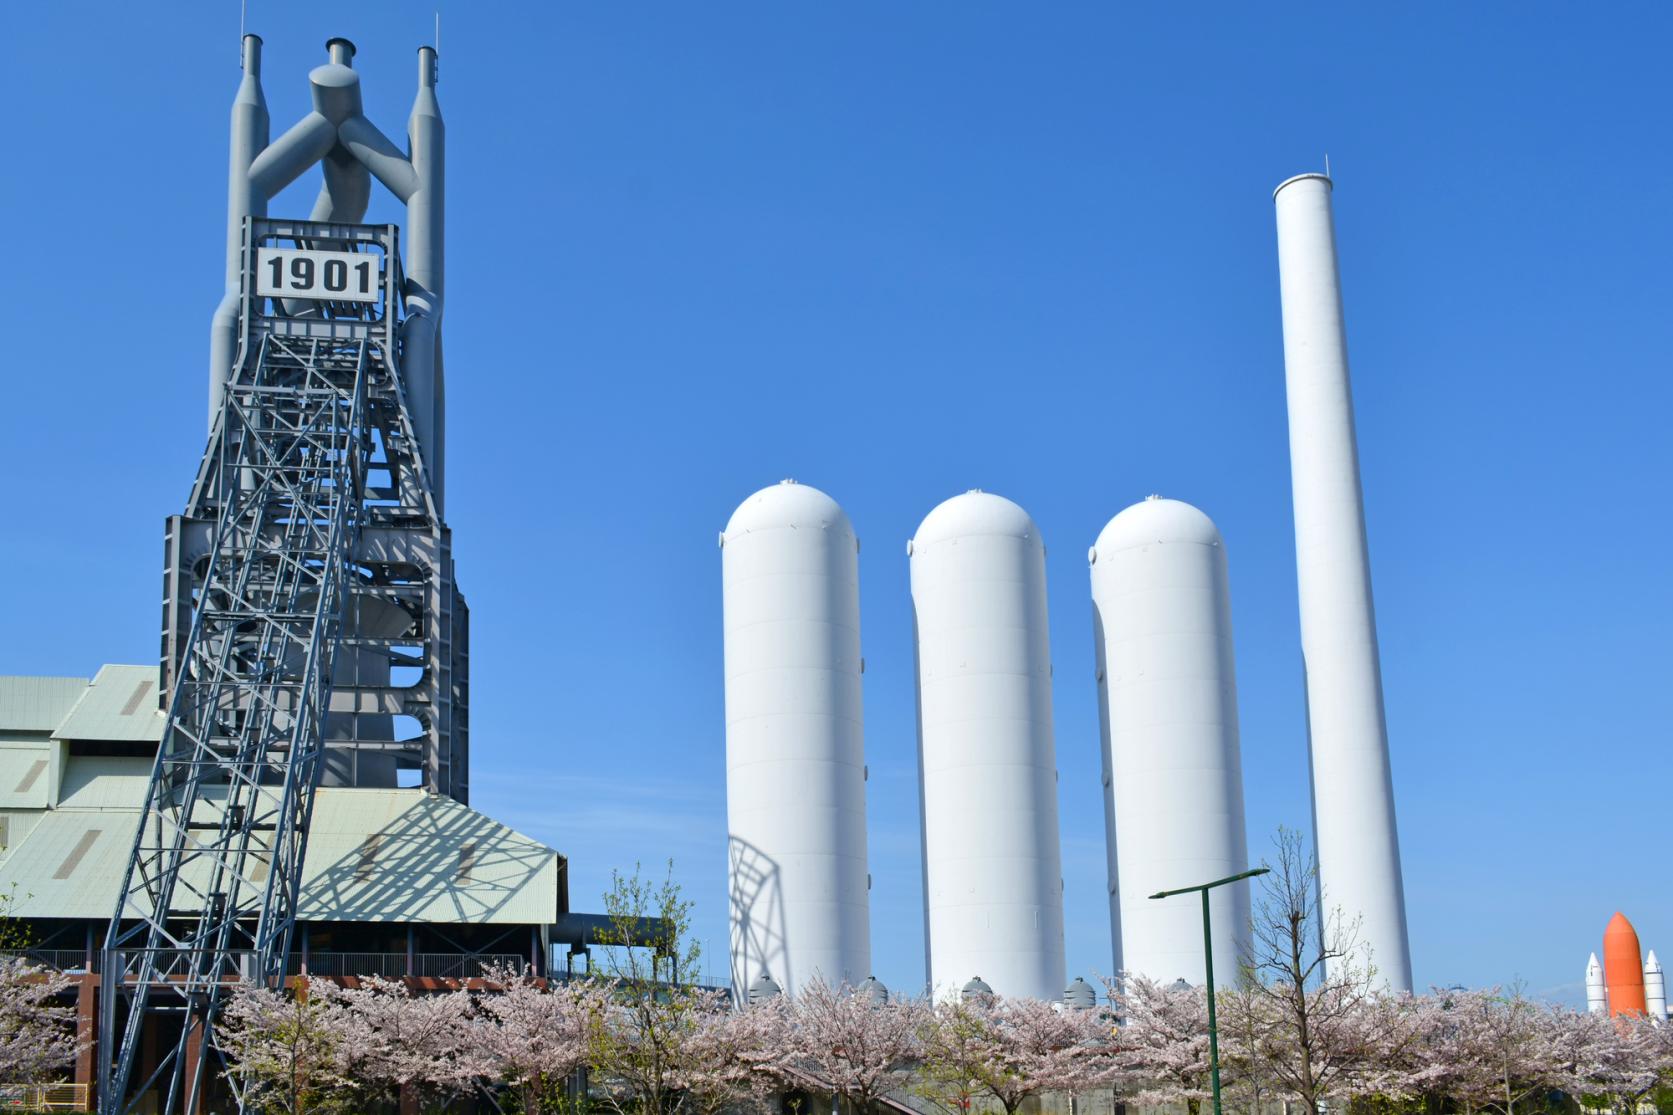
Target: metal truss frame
311 499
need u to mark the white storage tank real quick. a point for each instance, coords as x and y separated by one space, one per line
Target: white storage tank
795 754
993 886
1167 692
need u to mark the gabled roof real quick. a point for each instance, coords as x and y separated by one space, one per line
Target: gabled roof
373 856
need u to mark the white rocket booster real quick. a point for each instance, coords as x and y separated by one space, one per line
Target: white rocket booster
1655 988
1596 1001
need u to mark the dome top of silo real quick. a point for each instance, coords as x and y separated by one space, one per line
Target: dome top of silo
1156 520
974 513
763 988
1080 994
787 504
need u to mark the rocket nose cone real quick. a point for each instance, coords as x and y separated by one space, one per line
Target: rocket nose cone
1619 926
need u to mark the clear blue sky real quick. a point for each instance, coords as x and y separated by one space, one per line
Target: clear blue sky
898 251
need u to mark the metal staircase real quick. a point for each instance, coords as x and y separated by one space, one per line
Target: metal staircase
311 512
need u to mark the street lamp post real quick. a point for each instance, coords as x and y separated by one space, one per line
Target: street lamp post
1208 962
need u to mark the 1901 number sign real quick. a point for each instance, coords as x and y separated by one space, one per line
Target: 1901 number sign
328 276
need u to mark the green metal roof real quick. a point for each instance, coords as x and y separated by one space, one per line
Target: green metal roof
373 855
121 704
25 776
37 704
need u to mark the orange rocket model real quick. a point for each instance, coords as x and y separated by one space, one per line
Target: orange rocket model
1622 969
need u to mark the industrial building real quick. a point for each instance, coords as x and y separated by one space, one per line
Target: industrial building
397 882
285 791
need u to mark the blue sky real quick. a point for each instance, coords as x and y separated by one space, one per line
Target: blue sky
898 251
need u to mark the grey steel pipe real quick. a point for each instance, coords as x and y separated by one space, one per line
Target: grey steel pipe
421 352
353 151
249 132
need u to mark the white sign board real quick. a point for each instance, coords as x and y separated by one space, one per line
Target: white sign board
328 276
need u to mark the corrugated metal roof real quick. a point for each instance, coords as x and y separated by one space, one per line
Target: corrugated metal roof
25 781
105 782
37 704
373 855
121 704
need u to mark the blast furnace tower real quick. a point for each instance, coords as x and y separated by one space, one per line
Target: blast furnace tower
795 743
993 876
312 627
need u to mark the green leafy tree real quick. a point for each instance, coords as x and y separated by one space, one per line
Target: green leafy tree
640 1052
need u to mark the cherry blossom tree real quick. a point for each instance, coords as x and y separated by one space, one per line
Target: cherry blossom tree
1605 1062
289 1048
734 1059
37 1036
1164 1041
1506 1044
1012 1049
860 1048
397 1039
531 1037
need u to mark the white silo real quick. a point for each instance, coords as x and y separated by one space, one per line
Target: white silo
993 887
795 754
1353 789
1167 694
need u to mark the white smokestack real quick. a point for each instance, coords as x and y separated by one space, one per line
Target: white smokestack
1353 791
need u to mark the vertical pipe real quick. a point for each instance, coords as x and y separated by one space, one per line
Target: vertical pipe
1213 1029
1353 791
421 333
347 188
248 139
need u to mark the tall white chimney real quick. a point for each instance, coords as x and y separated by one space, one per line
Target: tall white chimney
1353 792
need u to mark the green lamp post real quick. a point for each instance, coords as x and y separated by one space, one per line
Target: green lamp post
1208 960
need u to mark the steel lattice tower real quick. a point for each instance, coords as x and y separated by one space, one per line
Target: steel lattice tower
311 565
